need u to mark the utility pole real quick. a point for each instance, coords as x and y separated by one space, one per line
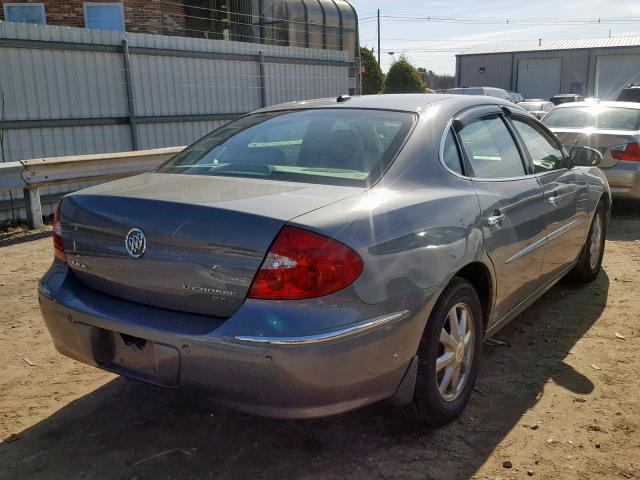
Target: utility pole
379 38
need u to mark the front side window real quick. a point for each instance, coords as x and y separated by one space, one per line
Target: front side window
24 13
104 16
490 149
327 146
545 153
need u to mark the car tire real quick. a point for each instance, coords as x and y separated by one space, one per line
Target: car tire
430 404
590 260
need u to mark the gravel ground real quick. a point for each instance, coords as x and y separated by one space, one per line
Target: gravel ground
560 400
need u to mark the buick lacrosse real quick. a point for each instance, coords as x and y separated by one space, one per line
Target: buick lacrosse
314 257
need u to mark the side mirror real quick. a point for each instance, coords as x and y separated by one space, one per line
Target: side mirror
585 157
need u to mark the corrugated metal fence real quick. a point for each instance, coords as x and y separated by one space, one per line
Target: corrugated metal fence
69 91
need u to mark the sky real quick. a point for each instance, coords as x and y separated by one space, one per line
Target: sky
407 38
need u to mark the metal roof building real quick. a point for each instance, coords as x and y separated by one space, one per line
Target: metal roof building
598 67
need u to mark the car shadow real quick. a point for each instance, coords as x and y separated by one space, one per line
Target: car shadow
131 430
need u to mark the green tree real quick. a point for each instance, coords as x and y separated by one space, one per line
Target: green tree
436 82
373 78
404 78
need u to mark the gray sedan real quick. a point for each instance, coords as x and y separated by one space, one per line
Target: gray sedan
317 256
613 128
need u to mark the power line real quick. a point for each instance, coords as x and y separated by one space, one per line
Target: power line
475 42
514 21
426 50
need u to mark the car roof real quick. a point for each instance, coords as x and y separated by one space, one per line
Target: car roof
634 105
408 102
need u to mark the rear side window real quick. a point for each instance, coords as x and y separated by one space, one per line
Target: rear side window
330 146
490 149
545 153
450 154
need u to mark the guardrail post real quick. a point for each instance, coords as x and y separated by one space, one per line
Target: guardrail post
34 207
263 86
131 101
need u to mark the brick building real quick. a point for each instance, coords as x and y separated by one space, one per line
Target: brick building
143 16
325 24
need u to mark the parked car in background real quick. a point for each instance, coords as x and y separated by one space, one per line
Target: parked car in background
486 91
631 93
566 98
537 108
613 128
317 256
515 97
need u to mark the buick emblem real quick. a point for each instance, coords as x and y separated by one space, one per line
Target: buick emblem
135 242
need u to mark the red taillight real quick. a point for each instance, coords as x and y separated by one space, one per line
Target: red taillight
629 152
302 264
58 246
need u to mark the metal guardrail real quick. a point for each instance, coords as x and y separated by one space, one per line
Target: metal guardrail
31 175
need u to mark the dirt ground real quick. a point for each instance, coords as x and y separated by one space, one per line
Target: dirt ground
561 400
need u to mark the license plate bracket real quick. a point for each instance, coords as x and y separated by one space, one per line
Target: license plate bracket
135 357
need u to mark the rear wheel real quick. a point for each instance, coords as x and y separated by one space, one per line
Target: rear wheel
590 260
448 356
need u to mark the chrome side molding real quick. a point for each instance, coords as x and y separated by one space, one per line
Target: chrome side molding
546 239
362 327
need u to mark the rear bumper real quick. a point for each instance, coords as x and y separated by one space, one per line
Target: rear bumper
308 374
624 180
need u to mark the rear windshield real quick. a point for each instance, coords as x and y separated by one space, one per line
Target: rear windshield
530 107
327 146
630 95
601 118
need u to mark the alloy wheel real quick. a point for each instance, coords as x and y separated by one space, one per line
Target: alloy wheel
455 353
596 242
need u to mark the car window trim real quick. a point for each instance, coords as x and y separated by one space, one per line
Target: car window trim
467 117
529 167
463 167
464 176
443 140
535 124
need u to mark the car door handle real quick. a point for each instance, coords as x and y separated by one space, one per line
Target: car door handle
554 200
495 219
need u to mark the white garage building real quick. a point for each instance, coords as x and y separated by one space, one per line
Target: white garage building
598 67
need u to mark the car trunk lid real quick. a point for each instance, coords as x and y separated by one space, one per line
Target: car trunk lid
602 140
205 236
